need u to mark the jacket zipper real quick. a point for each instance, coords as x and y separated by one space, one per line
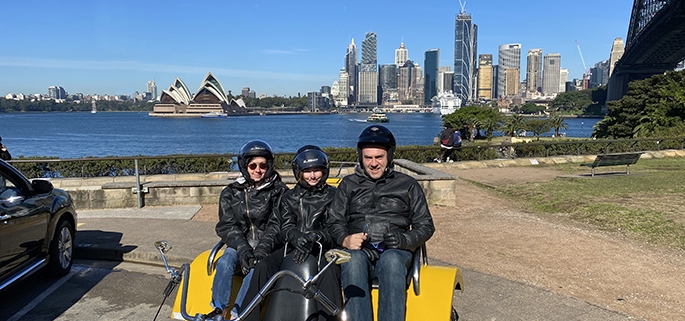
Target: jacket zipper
247 210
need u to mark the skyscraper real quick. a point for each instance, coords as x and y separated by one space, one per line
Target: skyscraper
430 83
405 81
509 58
485 76
351 69
563 78
368 73
387 82
343 89
465 34
534 71
152 88
551 75
401 55
616 53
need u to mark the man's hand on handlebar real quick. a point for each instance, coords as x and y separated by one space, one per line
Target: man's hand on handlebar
301 241
354 241
299 256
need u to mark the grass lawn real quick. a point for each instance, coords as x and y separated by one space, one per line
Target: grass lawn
648 204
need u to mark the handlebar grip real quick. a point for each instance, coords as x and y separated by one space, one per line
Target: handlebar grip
327 303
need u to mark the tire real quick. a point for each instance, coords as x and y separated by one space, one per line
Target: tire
454 316
61 253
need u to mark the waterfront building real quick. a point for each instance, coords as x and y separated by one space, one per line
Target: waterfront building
368 84
401 55
317 101
465 42
617 49
431 63
351 69
341 100
387 81
447 80
599 74
57 93
534 71
211 97
485 77
440 84
509 57
152 89
248 93
405 81
563 78
551 75
369 49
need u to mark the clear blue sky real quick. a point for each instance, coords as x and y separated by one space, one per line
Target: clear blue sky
273 47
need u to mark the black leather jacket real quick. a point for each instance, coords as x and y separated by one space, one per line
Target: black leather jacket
306 209
244 213
393 202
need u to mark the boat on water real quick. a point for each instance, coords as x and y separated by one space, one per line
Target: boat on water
214 114
94 108
378 118
445 103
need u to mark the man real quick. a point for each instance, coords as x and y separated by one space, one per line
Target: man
380 216
4 153
446 142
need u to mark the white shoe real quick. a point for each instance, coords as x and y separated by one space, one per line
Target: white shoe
439 161
450 161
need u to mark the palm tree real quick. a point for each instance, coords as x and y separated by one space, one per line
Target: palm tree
489 125
557 123
472 124
513 125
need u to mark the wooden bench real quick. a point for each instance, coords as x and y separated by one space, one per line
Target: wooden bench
614 160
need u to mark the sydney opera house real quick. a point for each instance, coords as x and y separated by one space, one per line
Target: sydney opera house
177 101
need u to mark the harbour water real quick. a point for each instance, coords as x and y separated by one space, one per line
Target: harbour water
76 135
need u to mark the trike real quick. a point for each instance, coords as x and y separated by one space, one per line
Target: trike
429 294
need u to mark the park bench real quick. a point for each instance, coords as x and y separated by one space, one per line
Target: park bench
614 160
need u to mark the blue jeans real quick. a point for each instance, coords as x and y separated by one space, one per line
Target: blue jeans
392 290
223 282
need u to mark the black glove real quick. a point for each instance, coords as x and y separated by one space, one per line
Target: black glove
299 256
300 241
395 240
247 261
371 253
259 254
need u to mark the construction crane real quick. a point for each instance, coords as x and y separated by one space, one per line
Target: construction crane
586 72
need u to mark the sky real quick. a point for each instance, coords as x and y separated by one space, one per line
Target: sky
275 47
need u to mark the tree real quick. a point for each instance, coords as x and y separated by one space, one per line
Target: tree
652 107
538 126
531 108
513 125
573 102
489 125
557 123
464 118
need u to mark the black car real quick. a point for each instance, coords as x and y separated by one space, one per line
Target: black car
37 227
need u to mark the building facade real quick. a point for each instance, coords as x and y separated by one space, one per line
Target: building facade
551 76
401 55
617 49
387 83
509 58
431 64
485 77
511 82
534 71
351 70
465 44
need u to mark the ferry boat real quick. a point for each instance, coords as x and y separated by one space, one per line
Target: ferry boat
445 103
214 114
378 118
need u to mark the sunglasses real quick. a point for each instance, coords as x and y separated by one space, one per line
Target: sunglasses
253 166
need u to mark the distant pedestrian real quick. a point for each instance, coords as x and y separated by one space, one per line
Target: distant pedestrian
446 142
4 153
456 146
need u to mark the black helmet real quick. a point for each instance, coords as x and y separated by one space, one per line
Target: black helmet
306 147
256 148
377 135
310 158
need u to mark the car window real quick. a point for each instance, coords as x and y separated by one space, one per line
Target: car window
10 195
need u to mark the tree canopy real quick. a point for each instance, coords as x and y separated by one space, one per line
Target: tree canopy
653 107
472 118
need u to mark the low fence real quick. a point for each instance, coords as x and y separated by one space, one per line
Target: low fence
183 164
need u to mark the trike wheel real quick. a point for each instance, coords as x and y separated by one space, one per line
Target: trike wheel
454 316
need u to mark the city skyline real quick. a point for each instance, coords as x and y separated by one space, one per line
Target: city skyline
116 48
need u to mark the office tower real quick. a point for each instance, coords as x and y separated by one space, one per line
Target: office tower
563 78
616 53
509 58
599 74
485 76
534 71
465 34
351 69
551 74
401 55
511 82
387 83
369 47
440 86
152 88
368 72
447 80
405 81
343 89
431 63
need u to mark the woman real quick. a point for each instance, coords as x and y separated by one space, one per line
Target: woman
245 207
303 212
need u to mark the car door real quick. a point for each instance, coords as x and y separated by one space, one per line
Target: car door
23 222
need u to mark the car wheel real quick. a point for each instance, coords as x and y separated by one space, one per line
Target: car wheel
454 316
61 250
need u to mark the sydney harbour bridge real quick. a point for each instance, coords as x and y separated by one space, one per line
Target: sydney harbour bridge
654 45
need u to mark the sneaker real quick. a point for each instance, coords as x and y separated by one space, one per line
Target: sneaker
439 161
450 161
211 315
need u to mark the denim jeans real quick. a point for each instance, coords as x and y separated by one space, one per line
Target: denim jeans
392 289
223 282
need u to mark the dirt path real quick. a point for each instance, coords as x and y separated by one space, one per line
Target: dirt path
485 233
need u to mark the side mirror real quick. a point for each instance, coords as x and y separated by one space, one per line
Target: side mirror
41 186
163 246
337 255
